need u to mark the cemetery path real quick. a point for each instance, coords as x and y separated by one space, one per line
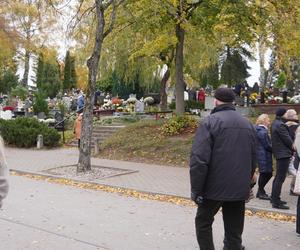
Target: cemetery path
46 216
143 177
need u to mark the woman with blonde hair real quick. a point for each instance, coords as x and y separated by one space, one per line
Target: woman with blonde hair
264 155
3 173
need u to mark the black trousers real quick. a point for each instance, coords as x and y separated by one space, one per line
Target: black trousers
298 216
233 217
282 166
263 180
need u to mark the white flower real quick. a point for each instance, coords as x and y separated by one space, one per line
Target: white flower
149 100
131 100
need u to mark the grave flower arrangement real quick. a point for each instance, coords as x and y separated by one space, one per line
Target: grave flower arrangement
149 100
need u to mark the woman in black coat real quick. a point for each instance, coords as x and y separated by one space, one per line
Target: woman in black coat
264 155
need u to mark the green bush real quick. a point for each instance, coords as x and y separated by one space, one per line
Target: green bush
177 124
40 104
23 132
190 104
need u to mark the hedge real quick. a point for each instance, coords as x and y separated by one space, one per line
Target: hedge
22 132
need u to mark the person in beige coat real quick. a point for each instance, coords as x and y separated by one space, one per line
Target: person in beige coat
77 128
3 173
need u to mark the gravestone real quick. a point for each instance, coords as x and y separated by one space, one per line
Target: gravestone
209 103
6 115
139 106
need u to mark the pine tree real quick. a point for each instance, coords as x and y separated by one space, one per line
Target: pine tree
8 80
73 75
52 83
40 71
235 68
67 72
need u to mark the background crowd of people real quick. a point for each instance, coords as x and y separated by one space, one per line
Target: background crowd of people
285 147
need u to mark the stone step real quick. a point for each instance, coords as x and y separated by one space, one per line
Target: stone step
100 133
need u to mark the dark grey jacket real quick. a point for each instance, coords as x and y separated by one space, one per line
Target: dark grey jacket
223 157
282 143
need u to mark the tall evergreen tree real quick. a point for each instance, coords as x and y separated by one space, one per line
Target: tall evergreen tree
52 83
40 71
73 78
234 68
67 72
70 77
8 80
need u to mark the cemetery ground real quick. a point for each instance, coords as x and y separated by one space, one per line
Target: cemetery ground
147 208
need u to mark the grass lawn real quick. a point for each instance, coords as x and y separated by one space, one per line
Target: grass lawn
143 142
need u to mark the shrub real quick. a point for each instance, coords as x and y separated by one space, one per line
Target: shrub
190 104
23 132
178 124
40 104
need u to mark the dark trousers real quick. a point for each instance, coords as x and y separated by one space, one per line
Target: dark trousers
298 216
78 143
233 217
262 181
282 166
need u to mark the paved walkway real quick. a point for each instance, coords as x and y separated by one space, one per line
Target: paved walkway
149 178
38 215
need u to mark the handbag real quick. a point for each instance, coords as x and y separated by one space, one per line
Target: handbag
297 183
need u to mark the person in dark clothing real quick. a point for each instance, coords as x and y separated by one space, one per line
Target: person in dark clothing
222 163
238 89
264 155
192 94
296 165
291 120
255 88
282 145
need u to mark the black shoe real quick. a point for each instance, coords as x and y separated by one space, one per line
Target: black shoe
282 202
262 196
280 206
242 248
279 202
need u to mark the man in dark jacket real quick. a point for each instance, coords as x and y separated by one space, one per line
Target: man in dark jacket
282 145
221 166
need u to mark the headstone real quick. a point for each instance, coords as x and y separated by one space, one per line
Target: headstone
40 142
41 115
97 148
139 106
6 115
209 103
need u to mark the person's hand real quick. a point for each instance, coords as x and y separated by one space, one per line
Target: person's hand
253 180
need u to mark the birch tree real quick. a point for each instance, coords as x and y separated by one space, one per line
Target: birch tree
104 13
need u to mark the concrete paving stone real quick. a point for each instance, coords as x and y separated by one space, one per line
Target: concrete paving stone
39 215
150 177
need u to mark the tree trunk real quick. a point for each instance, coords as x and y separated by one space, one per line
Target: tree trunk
262 53
163 94
179 81
26 68
84 162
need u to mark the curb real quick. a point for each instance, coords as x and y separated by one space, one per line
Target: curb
250 208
